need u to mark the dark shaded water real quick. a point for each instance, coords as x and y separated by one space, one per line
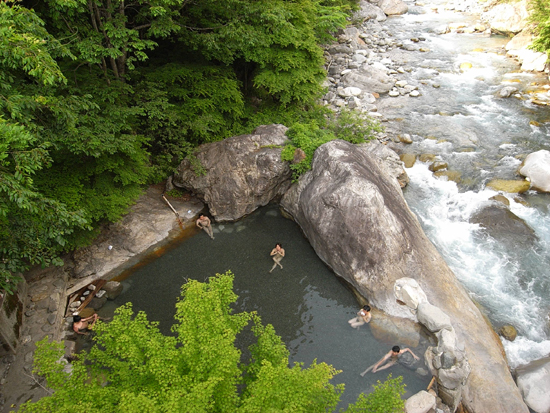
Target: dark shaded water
306 303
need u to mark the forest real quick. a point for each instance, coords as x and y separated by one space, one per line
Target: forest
99 99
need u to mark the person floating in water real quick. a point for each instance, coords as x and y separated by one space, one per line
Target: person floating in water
277 253
81 325
363 316
391 357
204 223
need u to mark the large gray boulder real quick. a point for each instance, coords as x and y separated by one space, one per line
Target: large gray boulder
242 173
503 225
355 217
369 79
510 17
534 383
536 167
393 7
369 11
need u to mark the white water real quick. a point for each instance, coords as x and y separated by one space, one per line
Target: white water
513 290
460 119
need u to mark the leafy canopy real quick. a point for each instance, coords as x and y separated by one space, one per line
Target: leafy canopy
135 368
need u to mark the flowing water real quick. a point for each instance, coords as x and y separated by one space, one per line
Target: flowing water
305 302
459 118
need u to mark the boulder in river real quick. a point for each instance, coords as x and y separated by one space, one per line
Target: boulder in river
511 186
356 218
509 17
503 225
242 173
393 7
508 332
536 167
369 79
534 382
369 11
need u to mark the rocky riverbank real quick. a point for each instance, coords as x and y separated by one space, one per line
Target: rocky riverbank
369 61
149 225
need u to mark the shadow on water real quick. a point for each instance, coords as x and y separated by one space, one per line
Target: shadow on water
308 306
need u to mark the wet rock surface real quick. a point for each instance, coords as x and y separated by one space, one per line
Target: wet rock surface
354 215
241 174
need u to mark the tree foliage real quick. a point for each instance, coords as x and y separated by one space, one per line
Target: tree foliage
100 97
309 135
133 367
540 15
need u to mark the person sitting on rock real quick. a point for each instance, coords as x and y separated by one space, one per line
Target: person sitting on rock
363 316
204 223
82 325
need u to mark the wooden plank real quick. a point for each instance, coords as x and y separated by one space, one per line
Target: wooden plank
98 284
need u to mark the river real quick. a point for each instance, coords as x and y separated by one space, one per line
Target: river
459 118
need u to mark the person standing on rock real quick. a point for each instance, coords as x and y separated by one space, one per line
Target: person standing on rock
204 223
363 317
277 253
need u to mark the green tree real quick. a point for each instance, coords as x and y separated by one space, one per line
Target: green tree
386 398
33 227
540 16
133 367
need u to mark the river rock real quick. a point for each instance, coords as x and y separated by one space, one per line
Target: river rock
355 217
432 317
369 11
242 173
449 175
503 225
502 199
509 185
438 166
421 402
112 289
507 91
508 332
534 382
393 7
532 61
409 292
510 17
409 159
536 167
370 79
390 159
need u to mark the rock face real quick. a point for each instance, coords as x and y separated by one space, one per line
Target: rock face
530 60
120 245
508 17
356 219
537 168
242 173
534 382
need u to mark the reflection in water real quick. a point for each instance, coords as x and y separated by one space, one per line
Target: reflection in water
308 306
